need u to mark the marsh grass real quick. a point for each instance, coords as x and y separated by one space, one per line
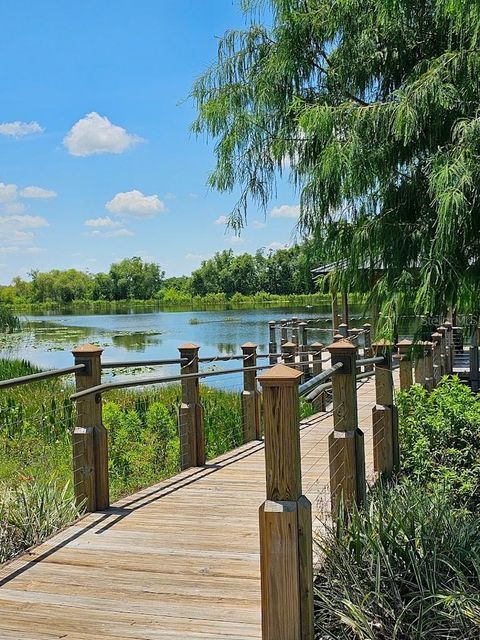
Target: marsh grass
36 422
406 567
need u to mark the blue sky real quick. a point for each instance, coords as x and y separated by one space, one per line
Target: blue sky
96 159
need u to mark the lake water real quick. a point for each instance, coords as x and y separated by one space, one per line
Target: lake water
47 340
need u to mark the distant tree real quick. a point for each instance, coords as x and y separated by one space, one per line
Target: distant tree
132 278
373 106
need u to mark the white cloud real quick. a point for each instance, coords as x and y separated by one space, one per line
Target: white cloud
115 233
19 129
101 222
8 192
286 211
8 223
16 234
194 257
37 192
274 246
95 134
257 224
135 203
14 207
221 220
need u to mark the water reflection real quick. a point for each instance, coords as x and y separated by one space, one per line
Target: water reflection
136 341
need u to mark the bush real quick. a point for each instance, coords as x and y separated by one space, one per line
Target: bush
31 512
440 436
405 567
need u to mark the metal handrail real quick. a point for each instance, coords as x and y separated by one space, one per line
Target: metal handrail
142 363
324 375
365 361
43 375
317 391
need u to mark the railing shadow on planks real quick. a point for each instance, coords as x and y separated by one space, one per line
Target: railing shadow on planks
270 409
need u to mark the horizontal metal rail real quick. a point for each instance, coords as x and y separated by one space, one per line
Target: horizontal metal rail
306 386
365 374
138 382
365 361
43 375
142 363
313 395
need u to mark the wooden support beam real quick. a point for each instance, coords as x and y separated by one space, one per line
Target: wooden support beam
272 344
290 350
284 332
303 349
346 446
191 428
405 357
436 357
443 350
335 317
367 344
428 366
90 438
319 404
345 309
250 395
343 329
386 448
450 345
420 372
286 559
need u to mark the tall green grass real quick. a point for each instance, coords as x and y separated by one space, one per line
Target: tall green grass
406 567
36 422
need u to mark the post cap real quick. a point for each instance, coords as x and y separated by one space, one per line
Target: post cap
272 322
342 345
289 344
87 349
188 346
279 375
337 337
404 343
249 345
367 325
317 345
448 325
436 337
303 324
343 324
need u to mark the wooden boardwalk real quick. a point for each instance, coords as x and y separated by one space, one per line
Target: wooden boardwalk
179 560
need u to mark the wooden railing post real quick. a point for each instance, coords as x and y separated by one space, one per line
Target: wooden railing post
436 357
284 332
428 366
90 438
346 443
319 404
289 349
405 358
272 344
295 331
420 374
450 345
285 517
192 431
303 348
367 344
335 316
386 449
474 362
443 350
343 330
250 396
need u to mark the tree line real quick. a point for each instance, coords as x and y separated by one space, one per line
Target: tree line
281 272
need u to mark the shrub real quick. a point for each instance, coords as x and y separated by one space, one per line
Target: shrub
440 436
405 567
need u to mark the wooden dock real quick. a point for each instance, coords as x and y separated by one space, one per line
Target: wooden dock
179 560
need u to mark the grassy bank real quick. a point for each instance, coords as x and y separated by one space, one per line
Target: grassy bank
181 301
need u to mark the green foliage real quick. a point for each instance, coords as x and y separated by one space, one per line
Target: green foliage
371 107
32 512
8 322
440 435
407 566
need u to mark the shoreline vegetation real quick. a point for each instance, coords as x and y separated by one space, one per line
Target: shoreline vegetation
179 301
